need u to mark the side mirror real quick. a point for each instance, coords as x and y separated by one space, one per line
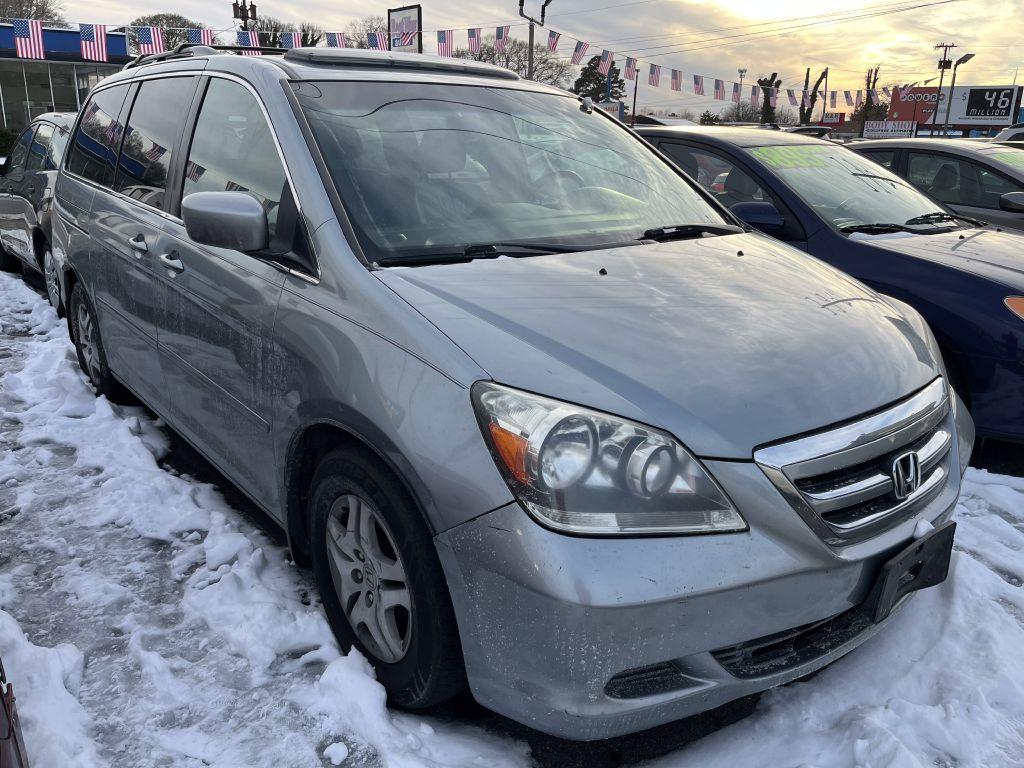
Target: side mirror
1012 202
234 220
762 216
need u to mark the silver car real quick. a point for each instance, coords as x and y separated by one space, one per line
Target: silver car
546 420
974 178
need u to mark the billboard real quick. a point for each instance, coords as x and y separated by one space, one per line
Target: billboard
982 105
405 28
916 104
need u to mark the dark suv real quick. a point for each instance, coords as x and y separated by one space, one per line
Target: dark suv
545 418
26 194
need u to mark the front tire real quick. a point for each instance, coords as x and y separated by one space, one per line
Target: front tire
85 333
52 279
380 579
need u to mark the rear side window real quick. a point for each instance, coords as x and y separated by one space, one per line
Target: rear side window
156 120
233 149
98 137
58 144
40 147
944 177
882 157
19 152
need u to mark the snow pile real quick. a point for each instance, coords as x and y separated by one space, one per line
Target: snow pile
164 629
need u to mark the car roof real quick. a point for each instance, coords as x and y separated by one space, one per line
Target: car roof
956 146
63 119
725 136
334 64
1002 154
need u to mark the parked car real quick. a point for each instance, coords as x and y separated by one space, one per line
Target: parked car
1014 133
12 743
977 179
545 418
855 215
26 194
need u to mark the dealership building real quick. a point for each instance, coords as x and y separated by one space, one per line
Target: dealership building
59 83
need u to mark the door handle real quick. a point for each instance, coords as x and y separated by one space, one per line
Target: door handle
31 190
169 261
138 244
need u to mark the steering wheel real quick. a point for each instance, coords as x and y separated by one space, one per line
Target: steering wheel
563 180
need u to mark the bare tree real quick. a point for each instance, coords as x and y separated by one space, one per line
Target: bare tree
767 85
547 66
172 25
357 32
270 29
44 10
806 110
311 35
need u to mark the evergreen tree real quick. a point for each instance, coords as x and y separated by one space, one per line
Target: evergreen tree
595 85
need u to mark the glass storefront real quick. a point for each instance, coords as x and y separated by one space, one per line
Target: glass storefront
30 88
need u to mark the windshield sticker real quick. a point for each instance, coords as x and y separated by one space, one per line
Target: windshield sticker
792 156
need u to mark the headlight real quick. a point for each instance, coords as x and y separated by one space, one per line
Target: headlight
1016 305
581 471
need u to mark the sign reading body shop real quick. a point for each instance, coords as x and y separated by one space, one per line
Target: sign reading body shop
888 129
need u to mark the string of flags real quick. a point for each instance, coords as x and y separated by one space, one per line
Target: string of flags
28 40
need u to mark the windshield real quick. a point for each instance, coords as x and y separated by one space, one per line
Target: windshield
849 190
431 170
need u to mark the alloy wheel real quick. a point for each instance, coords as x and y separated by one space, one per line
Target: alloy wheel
87 342
52 281
369 577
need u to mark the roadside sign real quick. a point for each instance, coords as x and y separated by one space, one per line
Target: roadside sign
888 129
616 109
405 28
833 119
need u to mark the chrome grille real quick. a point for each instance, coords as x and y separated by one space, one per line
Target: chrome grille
843 480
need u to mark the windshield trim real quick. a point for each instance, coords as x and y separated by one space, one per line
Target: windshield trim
291 86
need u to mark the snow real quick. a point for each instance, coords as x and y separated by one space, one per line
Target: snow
145 622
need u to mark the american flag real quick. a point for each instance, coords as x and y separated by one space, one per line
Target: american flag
849 98
736 93
378 41
194 171
755 95
199 36
290 40
474 40
792 97
409 37
501 38
249 39
872 96
93 41
553 38
607 57
860 100
885 91
720 90
28 39
113 133
806 98
698 85
445 37
580 52
654 75
336 40
773 95
150 40
154 153
630 71
234 186
677 80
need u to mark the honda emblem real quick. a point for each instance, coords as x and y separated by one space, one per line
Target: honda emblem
906 474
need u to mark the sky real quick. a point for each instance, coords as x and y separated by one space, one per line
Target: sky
713 38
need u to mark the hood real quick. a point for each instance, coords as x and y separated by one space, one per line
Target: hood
989 252
726 342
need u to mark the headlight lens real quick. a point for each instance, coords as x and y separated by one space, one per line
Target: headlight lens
581 471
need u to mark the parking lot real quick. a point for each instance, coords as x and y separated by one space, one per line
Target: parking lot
161 624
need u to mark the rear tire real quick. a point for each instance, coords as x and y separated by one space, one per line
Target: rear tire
51 278
381 581
85 333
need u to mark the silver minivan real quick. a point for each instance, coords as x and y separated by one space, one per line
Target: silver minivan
547 421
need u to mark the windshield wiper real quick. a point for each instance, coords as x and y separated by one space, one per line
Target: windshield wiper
937 217
684 231
875 229
493 250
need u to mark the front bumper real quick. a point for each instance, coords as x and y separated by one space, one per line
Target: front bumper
548 621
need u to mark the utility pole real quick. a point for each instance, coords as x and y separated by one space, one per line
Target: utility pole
944 64
533 21
244 13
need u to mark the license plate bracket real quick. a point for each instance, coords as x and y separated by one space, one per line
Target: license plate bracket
922 563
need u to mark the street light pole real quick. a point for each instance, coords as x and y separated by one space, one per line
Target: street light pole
952 86
742 71
525 15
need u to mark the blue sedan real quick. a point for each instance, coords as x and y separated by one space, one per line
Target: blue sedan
967 279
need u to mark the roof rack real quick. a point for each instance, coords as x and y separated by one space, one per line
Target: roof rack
355 57
186 50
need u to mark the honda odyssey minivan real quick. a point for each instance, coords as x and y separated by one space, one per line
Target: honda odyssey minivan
546 420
